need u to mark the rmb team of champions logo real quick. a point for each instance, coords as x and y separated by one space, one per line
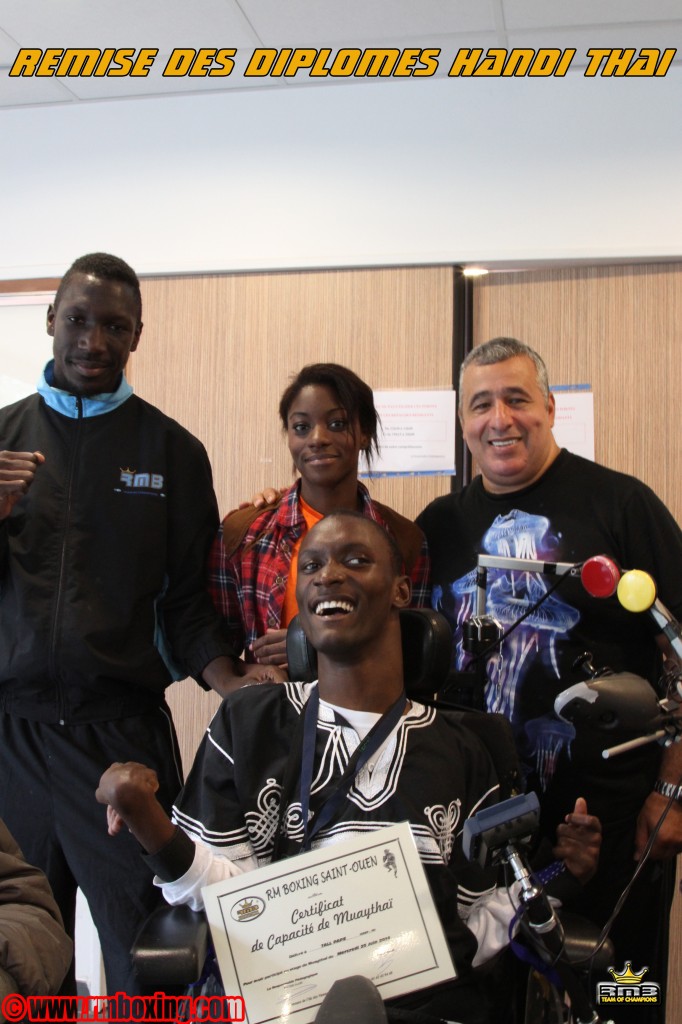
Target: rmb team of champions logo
628 987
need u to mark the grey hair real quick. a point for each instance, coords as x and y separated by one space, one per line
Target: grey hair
497 350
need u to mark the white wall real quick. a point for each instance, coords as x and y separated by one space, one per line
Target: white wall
348 174
24 346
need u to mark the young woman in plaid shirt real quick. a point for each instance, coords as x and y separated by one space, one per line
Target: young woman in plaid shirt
329 417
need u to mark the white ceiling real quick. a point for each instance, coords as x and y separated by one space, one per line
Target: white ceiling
247 24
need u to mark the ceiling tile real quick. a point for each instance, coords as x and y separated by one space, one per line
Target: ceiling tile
244 24
660 36
16 92
520 14
161 24
8 48
330 22
155 84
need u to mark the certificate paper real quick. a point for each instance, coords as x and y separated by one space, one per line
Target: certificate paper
284 933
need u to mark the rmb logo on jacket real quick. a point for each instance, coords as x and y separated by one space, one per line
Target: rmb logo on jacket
138 483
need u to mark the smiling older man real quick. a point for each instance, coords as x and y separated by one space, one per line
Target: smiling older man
535 500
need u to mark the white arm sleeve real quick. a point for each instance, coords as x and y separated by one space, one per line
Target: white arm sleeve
208 866
489 921
490 918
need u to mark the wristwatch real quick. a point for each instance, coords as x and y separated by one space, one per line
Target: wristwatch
668 789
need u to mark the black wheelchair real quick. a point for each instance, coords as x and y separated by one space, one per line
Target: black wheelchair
172 946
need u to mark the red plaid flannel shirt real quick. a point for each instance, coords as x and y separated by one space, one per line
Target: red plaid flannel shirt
248 588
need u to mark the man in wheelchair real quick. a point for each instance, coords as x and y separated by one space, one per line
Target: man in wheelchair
284 768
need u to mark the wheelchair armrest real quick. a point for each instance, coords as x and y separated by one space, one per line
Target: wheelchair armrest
580 938
170 948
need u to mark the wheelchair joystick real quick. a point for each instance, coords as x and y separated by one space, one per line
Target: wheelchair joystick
497 835
584 662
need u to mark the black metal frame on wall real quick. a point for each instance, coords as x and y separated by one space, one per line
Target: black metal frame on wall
462 343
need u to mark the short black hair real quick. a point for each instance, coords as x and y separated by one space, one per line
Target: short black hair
397 561
105 267
353 395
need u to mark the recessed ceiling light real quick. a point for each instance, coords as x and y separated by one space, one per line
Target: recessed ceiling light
474 271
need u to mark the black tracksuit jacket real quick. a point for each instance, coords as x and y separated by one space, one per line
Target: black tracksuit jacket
103 598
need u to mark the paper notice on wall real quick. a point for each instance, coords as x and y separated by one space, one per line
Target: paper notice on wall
417 435
574 419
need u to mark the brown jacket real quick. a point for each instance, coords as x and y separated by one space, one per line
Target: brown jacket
35 951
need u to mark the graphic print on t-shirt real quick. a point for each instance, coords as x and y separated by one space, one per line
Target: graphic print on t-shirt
516 535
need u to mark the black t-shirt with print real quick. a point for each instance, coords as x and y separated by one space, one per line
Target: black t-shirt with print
578 509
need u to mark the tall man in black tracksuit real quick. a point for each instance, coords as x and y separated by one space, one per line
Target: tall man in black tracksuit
107 513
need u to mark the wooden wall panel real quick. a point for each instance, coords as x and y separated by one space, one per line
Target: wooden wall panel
217 351
620 330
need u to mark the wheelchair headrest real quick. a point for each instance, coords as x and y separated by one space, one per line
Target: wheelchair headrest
426 643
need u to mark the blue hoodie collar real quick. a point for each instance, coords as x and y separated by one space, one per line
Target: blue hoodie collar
92 405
